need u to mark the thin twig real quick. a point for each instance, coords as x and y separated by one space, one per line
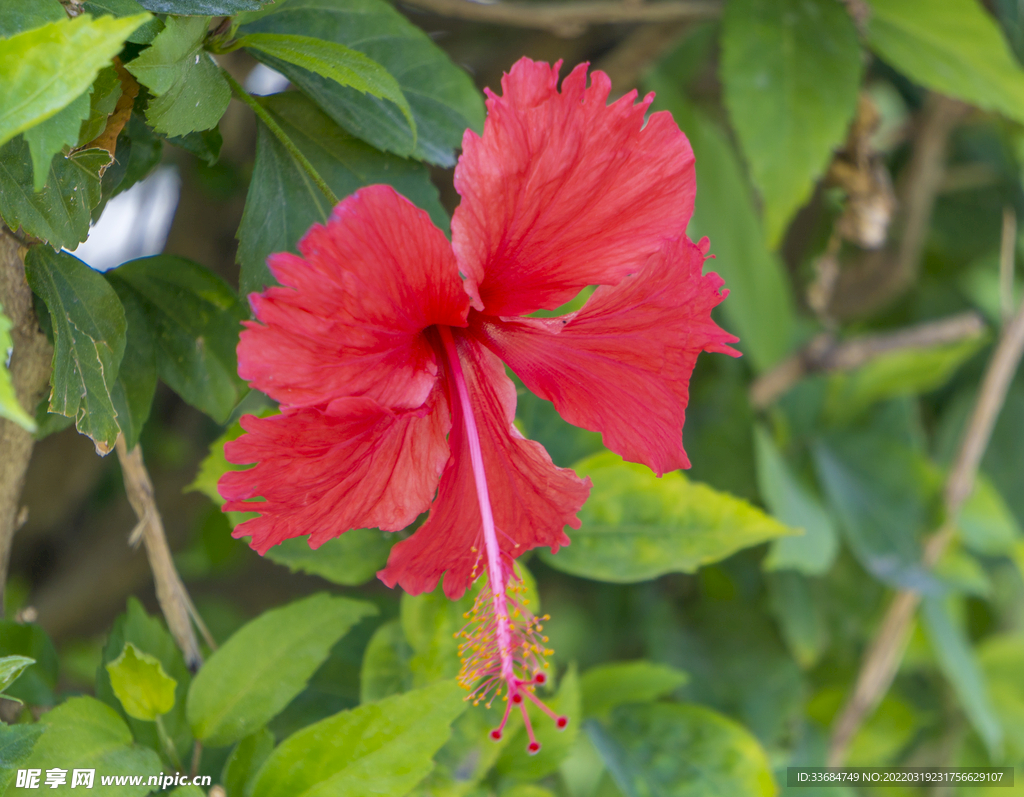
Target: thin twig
1007 261
170 590
883 657
571 18
825 354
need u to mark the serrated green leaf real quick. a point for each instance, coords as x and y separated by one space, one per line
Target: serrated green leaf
140 683
144 34
11 667
10 407
83 733
265 664
383 748
194 319
47 138
637 527
790 71
343 65
22 15
760 307
792 502
385 670
245 761
350 560
89 341
283 203
555 743
16 743
51 65
956 48
136 378
609 685
61 212
681 750
190 92
36 683
442 97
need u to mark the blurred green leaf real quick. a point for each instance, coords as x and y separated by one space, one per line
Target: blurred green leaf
813 552
143 34
21 16
386 669
199 7
791 70
343 65
245 761
383 748
16 743
555 743
351 559
799 616
760 304
282 203
609 685
956 48
10 407
61 212
987 526
11 667
963 573
140 683
681 750
51 65
194 319
83 733
36 683
190 93
467 757
956 659
265 664
187 791
89 341
636 526
1001 659
442 97
47 138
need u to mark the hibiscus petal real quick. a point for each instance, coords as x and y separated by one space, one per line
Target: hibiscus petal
357 465
564 191
622 364
350 319
532 500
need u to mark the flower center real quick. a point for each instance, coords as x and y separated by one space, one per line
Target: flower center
500 647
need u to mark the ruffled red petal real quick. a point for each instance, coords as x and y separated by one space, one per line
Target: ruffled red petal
350 319
532 500
622 364
564 191
357 465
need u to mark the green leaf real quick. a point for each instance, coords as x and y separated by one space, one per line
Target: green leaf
215 465
760 304
51 65
89 340
83 733
265 664
350 560
106 91
956 48
343 65
609 685
10 407
144 34
681 750
383 748
197 7
204 144
27 14
793 503
48 138
1001 659
790 71
187 791
386 664
36 683
16 743
986 523
283 203
245 761
61 212
637 527
140 683
956 659
194 319
136 378
799 616
11 667
190 91
904 372
442 97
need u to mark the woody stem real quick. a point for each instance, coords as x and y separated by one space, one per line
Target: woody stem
495 574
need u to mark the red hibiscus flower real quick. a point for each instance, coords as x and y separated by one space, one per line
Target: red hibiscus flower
386 347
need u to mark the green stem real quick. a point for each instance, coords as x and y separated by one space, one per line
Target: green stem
287 143
168 744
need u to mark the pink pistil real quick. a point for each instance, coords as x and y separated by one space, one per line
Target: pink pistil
505 648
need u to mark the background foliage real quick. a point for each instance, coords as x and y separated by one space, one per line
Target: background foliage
859 167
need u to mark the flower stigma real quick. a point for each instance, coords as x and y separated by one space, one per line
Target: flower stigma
503 644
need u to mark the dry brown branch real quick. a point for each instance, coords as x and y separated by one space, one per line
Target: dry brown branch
30 374
170 590
884 654
1007 262
571 18
824 354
